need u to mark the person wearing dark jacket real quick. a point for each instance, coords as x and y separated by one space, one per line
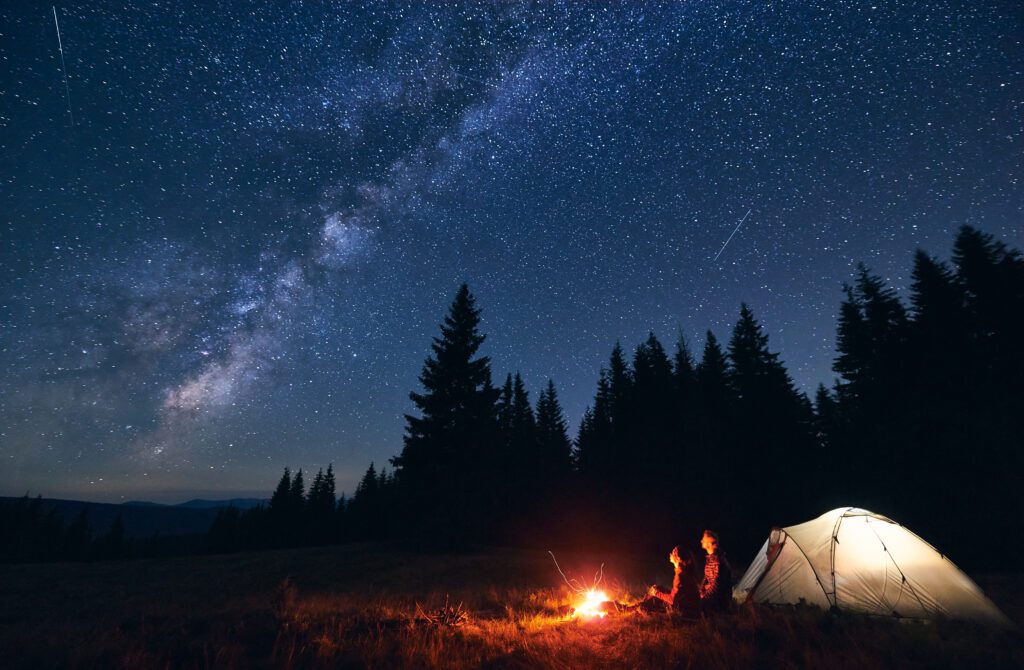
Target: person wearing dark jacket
716 588
683 596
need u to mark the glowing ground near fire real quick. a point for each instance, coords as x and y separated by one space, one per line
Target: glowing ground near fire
357 606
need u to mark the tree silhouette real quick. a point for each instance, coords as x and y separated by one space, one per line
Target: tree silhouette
553 441
774 438
450 454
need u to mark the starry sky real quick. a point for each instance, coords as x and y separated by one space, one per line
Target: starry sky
227 241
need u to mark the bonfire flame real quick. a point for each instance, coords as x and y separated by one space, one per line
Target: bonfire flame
594 604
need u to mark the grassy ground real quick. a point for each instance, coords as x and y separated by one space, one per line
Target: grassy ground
358 607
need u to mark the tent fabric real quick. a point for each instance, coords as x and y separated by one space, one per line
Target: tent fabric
854 560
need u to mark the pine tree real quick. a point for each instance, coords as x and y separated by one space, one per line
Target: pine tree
279 526
938 400
713 386
297 495
683 373
875 370
552 435
450 453
329 491
595 444
714 426
320 506
937 299
620 386
773 431
991 277
523 425
279 499
872 331
653 460
683 404
584 448
826 419
504 410
367 488
364 509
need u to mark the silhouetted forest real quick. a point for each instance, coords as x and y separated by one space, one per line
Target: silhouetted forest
922 424
32 532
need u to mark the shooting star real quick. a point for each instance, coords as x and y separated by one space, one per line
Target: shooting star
63 68
731 236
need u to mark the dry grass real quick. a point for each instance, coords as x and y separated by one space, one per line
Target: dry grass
361 607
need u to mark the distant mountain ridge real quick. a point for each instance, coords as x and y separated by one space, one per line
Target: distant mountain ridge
200 503
143 519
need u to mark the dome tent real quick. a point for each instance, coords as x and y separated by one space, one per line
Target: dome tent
854 560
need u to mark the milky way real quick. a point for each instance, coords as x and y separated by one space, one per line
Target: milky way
234 253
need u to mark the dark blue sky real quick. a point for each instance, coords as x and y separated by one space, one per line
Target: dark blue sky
236 255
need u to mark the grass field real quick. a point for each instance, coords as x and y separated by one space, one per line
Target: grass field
358 606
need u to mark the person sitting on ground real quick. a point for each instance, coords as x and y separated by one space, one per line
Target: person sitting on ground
716 588
682 597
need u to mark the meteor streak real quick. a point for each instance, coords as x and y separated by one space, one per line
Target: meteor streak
63 68
730 236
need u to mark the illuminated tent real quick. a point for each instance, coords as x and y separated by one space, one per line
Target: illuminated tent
858 561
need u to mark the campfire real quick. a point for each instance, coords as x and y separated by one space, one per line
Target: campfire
592 602
596 604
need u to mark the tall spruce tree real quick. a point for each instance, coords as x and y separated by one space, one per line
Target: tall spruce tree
683 405
653 462
684 374
320 506
583 449
297 495
595 448
991 276
522 424
939 399
871 338
448 464
875 371
522 458
552 436
279 499
773 431
826 420
714 425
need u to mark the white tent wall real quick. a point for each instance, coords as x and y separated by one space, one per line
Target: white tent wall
862 562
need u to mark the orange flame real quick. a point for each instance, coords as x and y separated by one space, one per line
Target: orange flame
591 606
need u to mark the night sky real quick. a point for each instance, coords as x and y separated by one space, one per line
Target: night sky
229 253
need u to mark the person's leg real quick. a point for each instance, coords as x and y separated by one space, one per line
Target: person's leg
651 605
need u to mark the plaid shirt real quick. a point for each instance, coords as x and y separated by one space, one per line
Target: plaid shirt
717 579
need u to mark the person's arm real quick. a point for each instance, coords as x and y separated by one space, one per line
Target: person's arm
670 597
